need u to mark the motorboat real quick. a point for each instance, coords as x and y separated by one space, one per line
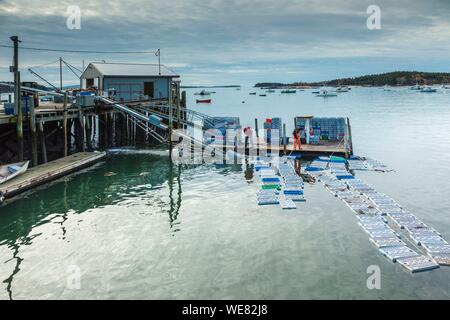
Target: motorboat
326 93
416 87
203 93
203 100
342 89
428 89
289 91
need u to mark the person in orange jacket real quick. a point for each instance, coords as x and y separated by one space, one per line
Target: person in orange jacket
297 139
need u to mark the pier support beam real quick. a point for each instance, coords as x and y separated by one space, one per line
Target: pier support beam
19 124
88 120
257 136
34 152
43 147
110 127
65 125
17 94
81 131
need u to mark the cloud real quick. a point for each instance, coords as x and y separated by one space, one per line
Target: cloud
228 40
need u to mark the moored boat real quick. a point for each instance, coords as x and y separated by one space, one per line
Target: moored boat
203 100
10 171
326 93
203 93
289 91
416 87
342 89
428 90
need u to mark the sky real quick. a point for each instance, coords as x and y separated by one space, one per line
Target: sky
220 42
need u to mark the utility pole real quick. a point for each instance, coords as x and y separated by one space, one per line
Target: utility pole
15 69
159 60
60 74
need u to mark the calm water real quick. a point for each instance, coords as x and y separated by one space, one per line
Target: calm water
156 231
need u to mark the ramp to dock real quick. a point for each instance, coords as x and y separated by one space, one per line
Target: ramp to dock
48 172
139 118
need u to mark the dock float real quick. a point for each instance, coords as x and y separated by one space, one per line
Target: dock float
48 172
389 225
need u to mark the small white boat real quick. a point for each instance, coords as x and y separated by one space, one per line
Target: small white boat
428 89
342 89
10 171
326 93
416 87
387 88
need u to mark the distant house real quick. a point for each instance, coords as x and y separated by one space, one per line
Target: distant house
131 82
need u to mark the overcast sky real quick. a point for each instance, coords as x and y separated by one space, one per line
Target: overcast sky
234 41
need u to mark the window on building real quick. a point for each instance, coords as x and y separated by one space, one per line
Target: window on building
89 83
149 88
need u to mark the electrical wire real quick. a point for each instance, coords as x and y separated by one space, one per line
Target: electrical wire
83 51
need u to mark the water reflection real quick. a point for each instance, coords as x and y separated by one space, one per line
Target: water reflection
175 204
78 194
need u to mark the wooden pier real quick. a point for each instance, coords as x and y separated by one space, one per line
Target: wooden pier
48 172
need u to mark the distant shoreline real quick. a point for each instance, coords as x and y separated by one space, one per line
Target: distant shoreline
199 87
396 79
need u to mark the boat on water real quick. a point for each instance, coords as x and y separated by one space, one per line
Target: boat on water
416 87
428 89
252 93
10 171
326 93
387 88
263 95
202 93
203 100
270 91
342 89
446 86
289 91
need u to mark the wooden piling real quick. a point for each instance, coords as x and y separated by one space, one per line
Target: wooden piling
19 124
88 120
170 120
110 117
33 140
82 133
101 131
65 125
43 147
257 136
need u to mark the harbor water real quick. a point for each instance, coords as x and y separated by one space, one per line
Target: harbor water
137 227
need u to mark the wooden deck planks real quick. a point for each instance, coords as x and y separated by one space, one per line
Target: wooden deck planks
49 171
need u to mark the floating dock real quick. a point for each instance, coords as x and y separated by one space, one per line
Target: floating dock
309 150
48 172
